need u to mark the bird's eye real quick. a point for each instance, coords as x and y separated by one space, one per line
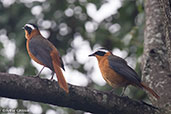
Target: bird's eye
100 53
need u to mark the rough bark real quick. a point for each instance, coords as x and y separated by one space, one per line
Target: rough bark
79 98
157 50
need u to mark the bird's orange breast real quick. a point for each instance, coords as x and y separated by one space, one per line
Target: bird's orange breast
109 75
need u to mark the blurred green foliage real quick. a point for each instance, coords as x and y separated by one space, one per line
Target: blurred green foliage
129 21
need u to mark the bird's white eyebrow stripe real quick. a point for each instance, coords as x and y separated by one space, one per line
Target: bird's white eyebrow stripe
104 50
31 26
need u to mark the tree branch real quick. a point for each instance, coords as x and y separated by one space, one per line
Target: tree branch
79 98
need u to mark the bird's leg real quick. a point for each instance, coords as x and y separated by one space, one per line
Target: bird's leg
52 75
40 72
123 90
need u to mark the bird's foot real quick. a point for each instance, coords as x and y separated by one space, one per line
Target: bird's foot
125 97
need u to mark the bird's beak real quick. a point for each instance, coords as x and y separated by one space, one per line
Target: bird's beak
23 28
91 55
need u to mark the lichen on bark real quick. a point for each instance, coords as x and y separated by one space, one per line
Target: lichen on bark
156 65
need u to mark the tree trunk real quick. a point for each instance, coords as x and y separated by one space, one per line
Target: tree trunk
156 66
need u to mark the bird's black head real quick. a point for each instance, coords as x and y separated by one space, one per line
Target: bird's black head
30 27
99 53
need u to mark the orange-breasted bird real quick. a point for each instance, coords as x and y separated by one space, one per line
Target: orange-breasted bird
117 73
44 52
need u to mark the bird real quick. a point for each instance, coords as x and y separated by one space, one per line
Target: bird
117 73
44 53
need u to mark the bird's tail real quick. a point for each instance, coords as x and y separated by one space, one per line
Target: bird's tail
61 80
150 90
56 65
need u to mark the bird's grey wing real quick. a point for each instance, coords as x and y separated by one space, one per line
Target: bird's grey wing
41 50
120 66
